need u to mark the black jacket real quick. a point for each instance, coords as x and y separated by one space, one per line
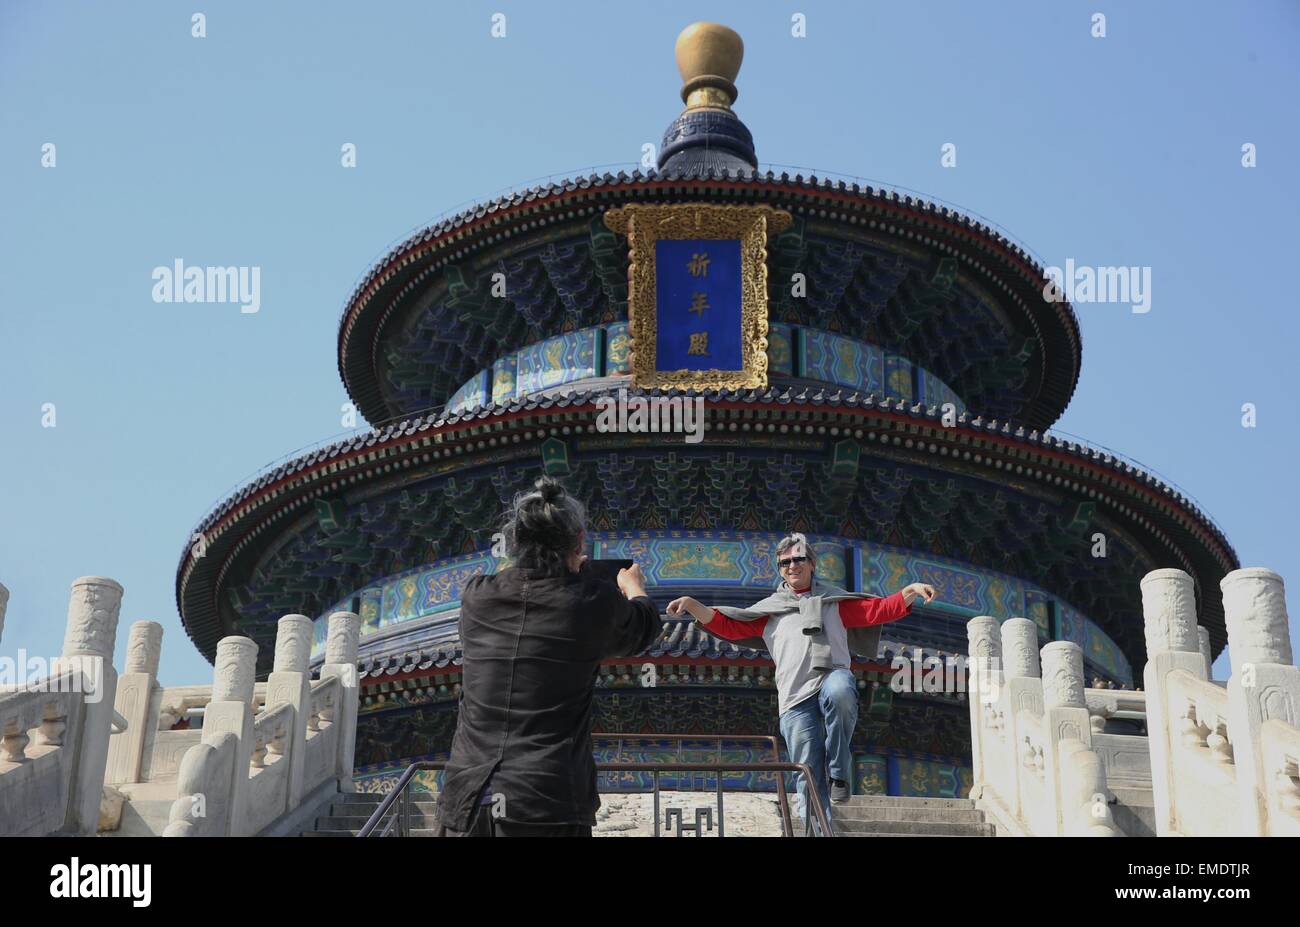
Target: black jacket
532 646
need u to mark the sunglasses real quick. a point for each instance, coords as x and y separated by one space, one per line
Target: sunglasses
785 563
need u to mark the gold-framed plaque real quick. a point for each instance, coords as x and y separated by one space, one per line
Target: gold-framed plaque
697 293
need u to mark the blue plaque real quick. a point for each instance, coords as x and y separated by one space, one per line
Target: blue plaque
698 295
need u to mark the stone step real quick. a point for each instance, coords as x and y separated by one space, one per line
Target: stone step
896 813
415 832
356 822
350 808
900 801
841 833
1134 796
931 828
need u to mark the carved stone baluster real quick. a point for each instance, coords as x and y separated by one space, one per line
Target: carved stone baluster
53 725
258 758
275 746
13 745
1190 732
1287 780
1220 747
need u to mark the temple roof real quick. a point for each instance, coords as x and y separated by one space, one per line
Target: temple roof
919 279
264 516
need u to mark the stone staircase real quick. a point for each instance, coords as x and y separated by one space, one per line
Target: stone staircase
349 813
894 816
861 816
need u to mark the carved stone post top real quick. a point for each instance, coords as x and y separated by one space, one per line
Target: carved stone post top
1063 675
985 642
1165 573
1254 608
234 670
1020 648
1249 573
292 644
1169 612
342 638
93 610
144 647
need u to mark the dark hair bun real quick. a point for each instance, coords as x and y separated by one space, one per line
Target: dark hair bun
550 489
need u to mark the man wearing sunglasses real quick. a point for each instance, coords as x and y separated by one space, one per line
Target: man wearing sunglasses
811 628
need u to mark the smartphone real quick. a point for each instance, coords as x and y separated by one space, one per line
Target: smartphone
606 569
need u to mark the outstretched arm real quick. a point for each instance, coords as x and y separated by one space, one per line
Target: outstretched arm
718 623
861 613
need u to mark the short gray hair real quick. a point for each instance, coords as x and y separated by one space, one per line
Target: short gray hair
790 540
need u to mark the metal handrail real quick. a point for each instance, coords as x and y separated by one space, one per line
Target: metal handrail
398 794
813 794
401 820
783 800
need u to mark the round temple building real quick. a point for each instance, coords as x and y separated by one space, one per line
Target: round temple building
873 370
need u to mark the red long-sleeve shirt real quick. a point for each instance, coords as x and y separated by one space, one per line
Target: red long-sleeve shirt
855 613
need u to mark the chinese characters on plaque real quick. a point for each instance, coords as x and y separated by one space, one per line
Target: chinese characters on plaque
697 296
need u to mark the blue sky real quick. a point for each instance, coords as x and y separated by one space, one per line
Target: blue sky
225 150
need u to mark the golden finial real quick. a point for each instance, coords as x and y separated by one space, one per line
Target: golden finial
708 57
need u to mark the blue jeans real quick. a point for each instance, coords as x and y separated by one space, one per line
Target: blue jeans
817 733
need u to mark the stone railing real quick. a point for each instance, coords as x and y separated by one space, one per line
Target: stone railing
155 755
230 758
1216 759
54 731
251 767
1223 757
1038 769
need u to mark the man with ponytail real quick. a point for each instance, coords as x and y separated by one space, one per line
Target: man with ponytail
533 636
